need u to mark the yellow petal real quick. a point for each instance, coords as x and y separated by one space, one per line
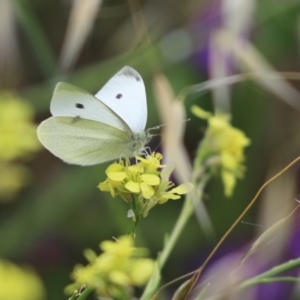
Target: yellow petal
168 196
135 169
182 189
90 255
229 182
114 168
147 190
107 186
199 112
141 271
115 172
123 246
229 161
104 186
150 179
119 278
133 187
152 160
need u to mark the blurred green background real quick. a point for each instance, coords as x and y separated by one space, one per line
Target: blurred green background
60 212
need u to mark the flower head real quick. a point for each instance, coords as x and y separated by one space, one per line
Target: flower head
222 148
166 190
18 141
142 185
17 132
19 284
114 272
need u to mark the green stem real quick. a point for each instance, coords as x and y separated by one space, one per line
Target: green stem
292 264
272 280
85 293
135 206
184 216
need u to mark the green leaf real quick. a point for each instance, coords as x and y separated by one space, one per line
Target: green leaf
36 36
292 264
183 291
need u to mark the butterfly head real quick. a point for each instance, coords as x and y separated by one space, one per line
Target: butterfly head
139 141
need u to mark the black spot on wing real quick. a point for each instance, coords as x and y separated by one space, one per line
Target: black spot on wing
119 96
131 73
79 105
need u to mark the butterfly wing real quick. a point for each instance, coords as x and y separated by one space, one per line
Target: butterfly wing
70 101
83 142
125 94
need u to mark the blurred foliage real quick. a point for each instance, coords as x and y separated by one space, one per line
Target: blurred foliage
62 212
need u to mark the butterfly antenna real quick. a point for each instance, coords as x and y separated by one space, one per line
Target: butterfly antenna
162 125
147 151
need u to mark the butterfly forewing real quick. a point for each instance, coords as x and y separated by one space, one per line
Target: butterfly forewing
70 101
125 94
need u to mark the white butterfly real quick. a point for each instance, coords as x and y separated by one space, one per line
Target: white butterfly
88 130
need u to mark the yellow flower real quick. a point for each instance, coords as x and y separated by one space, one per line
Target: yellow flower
116 174
225 144
19 284
165 190
124 181
13 177
17 141
151 163
142 185
139 182
123 247
17 132
115 271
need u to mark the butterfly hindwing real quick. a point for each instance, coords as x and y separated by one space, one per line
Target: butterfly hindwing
82 142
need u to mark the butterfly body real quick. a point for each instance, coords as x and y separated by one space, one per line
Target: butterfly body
88 130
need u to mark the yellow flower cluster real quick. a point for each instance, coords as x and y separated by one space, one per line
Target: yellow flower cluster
222 148
17 132
142 185
19 284
114 272
17 141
